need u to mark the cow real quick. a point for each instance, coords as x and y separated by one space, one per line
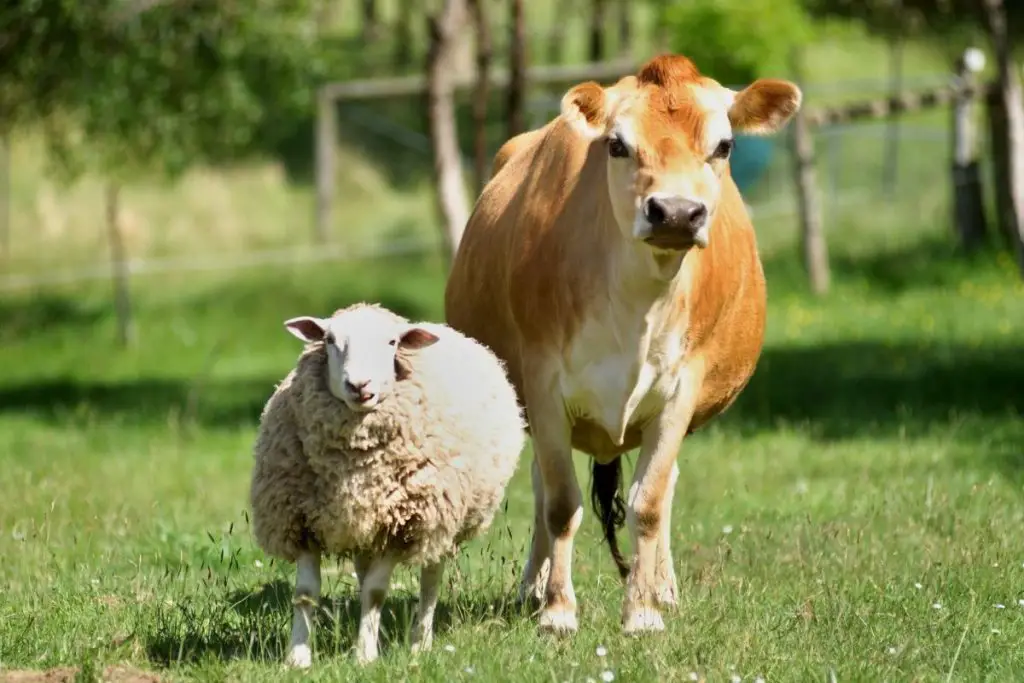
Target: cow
611 264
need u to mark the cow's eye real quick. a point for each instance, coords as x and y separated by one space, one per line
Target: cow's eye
723 150
617 148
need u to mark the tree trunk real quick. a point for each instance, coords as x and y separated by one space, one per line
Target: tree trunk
517 71
1009 174
626 27
371 21
326 148
557 34
451 192
5 199
483 65
119 268
403 34
597 22
812 234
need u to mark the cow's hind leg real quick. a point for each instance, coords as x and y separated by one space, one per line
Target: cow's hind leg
563 504
538 564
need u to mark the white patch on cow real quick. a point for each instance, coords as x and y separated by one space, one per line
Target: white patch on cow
716 103
620 369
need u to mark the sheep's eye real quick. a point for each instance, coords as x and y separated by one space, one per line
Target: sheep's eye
329 338
617 148
392 342
723 150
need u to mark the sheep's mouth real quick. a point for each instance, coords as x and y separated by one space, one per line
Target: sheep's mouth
361 404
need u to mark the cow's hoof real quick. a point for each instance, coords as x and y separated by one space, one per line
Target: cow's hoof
558 621
668 595
643 620
299 657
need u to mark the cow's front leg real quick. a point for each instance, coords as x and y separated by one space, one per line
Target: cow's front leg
647 516
563 503
538 564
665 573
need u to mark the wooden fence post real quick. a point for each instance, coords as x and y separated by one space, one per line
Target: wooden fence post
326 148
119 267
483 65
812 232
1006 115
968 203
5 199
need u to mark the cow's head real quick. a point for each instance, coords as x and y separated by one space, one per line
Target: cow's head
668 133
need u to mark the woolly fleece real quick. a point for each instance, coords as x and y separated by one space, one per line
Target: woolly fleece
415 477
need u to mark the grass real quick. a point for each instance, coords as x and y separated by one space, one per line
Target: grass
857 512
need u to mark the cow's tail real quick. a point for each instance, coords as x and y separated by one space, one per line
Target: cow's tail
609 505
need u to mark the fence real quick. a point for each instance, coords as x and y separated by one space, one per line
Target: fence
849 164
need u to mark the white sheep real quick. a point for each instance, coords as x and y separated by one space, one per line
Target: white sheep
390 441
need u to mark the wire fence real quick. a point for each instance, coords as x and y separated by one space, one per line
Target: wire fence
851 163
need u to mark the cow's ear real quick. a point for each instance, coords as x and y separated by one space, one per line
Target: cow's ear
764 106
585 108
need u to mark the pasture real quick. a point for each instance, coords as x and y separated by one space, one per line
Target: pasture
857 512
857 515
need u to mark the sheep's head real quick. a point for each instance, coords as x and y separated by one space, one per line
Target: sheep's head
365 348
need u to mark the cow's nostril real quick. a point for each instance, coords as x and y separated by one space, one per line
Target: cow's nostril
697 214
655 212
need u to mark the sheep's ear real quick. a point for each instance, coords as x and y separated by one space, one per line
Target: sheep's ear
306 328
417 338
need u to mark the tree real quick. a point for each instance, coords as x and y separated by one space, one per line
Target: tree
451 192
516 110
737 41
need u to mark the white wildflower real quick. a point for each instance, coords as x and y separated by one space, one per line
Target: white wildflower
918 586
694 676
735 678
607 676
257 564
601 651
449 648
999 605
727 529
469 670
937 605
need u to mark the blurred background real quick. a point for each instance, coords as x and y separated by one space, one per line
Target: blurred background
178 177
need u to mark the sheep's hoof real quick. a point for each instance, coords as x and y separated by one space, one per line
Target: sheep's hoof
642 620
558 621
299 657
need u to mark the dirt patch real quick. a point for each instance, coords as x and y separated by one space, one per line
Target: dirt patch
64 674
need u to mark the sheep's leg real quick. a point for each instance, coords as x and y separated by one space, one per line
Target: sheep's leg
430 585
373 590
538 565
307 594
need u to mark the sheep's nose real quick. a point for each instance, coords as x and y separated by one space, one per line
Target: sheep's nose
359 390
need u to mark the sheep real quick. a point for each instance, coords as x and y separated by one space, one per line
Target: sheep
389 441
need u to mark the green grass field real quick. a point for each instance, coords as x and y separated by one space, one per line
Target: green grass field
857 515
859 511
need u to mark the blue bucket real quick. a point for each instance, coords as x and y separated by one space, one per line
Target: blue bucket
750 159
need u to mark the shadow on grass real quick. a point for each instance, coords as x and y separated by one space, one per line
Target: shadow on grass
255 624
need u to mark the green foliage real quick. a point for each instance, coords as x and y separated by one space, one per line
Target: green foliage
737 41
180 83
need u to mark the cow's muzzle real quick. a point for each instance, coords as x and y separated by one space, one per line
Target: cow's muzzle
676 223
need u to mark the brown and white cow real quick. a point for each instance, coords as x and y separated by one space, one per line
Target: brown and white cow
610 262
